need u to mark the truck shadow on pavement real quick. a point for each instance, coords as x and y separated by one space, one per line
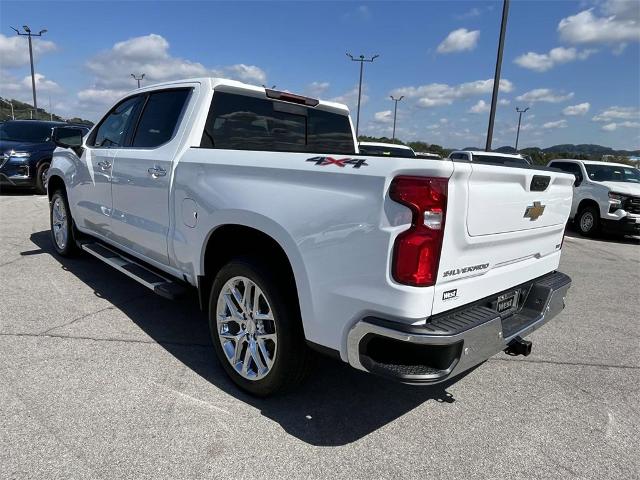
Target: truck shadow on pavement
337 405
605 238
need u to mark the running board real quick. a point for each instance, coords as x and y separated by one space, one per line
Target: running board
163 286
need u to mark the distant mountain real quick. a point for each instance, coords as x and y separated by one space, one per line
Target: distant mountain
589 149
567 148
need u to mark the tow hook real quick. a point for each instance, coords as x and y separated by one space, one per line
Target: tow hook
518 346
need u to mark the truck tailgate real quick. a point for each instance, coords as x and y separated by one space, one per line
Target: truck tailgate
503 199
504 227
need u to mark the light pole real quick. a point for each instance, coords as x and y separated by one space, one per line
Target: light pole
496 77
30 34
395 111
520 112
138 79
13 117
360 59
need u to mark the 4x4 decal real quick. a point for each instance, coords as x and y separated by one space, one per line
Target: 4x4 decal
340 162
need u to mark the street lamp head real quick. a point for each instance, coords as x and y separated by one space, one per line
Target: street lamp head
142 76
349 55
133 75
44 30
374 57
26 28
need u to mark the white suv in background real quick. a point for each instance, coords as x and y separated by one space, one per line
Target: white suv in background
606 196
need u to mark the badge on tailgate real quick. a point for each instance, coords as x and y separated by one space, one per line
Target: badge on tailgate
535 211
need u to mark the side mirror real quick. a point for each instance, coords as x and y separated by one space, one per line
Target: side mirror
67 137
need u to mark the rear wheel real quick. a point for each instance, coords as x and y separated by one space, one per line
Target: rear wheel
256 328
62 225
41 178
588 221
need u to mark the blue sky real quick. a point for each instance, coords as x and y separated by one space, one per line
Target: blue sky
576 64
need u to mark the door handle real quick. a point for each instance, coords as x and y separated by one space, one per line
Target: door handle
106 165
156 172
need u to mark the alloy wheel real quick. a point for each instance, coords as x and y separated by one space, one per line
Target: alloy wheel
59 224
246 328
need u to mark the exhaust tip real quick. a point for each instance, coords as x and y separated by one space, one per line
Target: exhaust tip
518 346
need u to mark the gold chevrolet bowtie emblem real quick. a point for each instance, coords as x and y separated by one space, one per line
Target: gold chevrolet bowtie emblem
534 211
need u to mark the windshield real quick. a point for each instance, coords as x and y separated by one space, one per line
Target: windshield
25 132
613 173
496 160
378 151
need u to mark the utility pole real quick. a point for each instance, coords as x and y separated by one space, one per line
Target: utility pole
138 79
13 117
496 76
360 59
50 109
520 112
28 33
395 111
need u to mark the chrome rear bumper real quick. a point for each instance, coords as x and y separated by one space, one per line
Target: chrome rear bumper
449 344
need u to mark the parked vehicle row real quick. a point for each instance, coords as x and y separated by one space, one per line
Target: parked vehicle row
414 270
25 152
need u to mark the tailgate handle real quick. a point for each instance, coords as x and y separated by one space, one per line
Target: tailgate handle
539 183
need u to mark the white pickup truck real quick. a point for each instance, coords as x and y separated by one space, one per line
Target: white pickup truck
417 271
606 196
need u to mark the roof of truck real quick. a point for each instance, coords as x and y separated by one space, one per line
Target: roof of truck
489 154
381 144
589 162
216 82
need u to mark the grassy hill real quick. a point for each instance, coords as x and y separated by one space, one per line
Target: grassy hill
24 111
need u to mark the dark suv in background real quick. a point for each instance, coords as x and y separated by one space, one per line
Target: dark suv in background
25 152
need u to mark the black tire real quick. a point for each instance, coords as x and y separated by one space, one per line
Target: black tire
68 248
588 221
41 185
292 358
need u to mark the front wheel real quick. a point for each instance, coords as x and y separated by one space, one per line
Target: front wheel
41 178
62 225
256 328
588 221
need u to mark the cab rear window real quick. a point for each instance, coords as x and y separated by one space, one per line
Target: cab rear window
239 122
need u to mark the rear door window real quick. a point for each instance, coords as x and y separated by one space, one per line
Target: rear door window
239 122
160 116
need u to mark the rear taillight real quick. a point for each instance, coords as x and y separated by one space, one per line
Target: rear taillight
416 251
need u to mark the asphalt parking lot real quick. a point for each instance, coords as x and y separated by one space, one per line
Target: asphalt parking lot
102 379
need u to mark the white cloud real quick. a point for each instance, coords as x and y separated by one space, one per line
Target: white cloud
544 95
617 113
579 109
20 89
149 54
480 107
317 89
610 127
350 98
436 94
459 40
618 22
385 116
474 12
14 50
541 62
557 124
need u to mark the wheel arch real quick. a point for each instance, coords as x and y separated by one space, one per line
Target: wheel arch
588 202
55 182
234 239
